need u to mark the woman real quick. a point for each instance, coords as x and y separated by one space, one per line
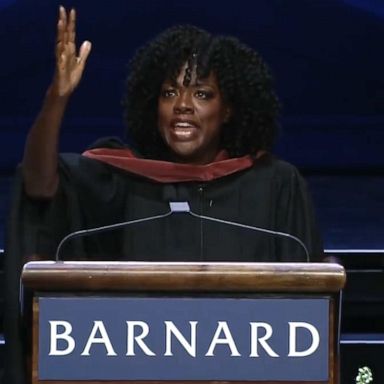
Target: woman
201 112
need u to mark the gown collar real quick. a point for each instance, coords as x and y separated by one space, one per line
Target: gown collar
169 172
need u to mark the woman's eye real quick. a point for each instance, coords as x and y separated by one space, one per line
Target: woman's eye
168 92
203 94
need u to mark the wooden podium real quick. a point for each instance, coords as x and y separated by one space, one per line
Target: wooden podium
234 280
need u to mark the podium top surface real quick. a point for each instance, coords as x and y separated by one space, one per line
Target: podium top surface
183 276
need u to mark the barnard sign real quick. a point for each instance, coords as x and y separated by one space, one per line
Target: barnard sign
128 338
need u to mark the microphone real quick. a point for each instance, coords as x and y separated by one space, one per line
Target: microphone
177 207
105 228
169 193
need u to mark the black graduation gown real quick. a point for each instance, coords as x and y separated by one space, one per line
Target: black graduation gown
270 195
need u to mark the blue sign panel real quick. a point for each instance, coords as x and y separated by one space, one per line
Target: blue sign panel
120 338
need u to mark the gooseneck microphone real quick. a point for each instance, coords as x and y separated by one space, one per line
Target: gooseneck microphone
184 207
105 228
176 207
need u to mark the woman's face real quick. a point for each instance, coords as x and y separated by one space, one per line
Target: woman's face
190 118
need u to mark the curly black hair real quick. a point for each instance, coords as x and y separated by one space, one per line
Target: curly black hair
243 78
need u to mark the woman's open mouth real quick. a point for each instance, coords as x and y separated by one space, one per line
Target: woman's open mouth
184 130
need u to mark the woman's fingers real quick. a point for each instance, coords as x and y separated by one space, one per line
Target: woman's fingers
63 18
66 35
66 29
85 49
59 43
63 15
72 26
60 29
60 33
70 64
61 26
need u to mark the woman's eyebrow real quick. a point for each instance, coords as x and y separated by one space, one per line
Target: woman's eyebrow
169 82
202 82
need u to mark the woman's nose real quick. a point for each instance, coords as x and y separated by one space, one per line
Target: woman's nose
183 103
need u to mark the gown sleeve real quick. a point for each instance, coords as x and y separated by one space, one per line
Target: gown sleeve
24 224
296 216
28 238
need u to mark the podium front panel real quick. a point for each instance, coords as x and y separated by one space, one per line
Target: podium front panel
114 338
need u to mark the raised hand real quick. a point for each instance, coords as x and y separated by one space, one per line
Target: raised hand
69 64
40 172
